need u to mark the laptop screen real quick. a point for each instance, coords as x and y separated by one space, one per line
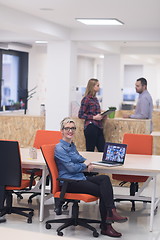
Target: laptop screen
114 153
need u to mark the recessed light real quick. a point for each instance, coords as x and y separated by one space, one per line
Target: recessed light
100 21
46 9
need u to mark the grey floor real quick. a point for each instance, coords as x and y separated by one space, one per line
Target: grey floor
137 226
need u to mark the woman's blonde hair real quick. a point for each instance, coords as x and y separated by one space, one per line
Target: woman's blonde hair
65 121
90 87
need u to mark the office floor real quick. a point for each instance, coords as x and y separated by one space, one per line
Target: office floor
137 226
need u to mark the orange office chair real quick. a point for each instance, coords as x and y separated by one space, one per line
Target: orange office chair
11 179
136 144
42 137
48 153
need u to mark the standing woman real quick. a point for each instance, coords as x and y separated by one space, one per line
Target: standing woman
90 112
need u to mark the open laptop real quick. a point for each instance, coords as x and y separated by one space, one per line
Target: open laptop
113 155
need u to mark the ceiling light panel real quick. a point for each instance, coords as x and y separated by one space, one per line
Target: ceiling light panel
100 21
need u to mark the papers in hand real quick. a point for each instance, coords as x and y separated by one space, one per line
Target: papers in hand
106 113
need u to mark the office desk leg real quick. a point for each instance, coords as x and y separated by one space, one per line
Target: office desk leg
41 214
153 203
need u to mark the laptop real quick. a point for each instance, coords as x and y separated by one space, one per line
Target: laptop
113 155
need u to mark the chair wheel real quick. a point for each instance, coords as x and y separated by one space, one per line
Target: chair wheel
48 226
29 220
19 197
31 214
60 233
95 234
65 207
29 201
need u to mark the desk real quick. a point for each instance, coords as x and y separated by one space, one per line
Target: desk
27 162
146 165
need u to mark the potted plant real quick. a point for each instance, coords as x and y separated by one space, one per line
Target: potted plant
111 115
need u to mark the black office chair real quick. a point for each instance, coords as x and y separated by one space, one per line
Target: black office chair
11 179
42 137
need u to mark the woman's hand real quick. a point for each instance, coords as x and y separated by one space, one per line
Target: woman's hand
87 162
98 117
90 167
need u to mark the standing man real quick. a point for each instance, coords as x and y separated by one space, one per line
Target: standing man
144 106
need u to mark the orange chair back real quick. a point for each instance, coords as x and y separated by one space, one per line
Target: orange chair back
48 153
138 143
44 137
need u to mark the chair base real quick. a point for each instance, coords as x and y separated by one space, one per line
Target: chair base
133 189
33 194
74 221
132 201
19 211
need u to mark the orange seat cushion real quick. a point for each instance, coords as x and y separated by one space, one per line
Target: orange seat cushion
129 178
77 196
24 184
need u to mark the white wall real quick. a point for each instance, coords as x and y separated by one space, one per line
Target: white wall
151 75
158 82
60 79
85 70
37 77
131 74
112 95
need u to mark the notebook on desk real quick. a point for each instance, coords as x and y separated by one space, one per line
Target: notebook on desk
113 155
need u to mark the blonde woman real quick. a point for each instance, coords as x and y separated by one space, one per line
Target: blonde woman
71 166
90 112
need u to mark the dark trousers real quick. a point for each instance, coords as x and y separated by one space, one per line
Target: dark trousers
2 197
99 186
94 138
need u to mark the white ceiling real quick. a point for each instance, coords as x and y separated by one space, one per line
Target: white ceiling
26 21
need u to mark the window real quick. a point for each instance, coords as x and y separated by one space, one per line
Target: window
14 79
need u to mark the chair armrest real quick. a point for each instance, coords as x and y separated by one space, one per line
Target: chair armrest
32 175
60 203
64 186
33 170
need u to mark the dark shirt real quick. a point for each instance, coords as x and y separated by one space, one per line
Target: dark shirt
89 108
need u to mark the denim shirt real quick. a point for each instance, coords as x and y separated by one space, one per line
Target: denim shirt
69 161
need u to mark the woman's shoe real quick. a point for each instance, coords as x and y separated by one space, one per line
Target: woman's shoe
109 231
116 217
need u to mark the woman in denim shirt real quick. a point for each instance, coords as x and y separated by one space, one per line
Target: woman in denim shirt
71 165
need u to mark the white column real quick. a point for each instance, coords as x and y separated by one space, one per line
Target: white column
112 93
60 82
37 78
